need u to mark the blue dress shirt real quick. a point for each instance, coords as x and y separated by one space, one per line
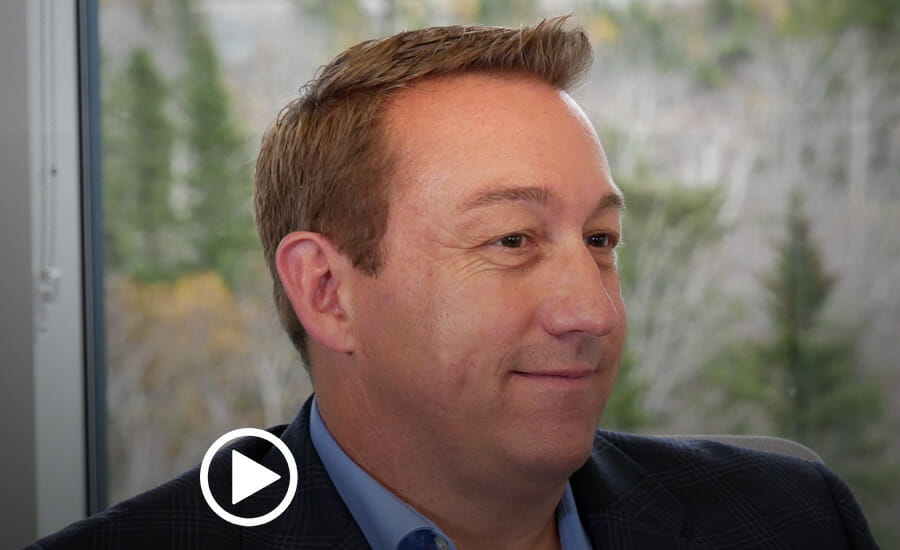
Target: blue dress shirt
388 523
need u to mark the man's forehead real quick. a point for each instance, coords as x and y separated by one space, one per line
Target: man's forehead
477 103
487 131
474 93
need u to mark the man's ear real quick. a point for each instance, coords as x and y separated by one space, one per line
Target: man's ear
311 271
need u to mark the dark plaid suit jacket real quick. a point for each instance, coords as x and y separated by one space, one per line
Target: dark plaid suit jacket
634 493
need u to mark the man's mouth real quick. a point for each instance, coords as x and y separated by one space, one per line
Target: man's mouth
575 374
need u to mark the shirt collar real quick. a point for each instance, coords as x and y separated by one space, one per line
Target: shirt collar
572 535
386 521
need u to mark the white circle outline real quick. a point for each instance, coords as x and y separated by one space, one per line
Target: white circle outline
217 508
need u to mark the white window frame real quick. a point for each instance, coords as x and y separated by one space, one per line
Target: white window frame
43 390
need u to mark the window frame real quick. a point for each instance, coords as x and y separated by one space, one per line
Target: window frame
52 384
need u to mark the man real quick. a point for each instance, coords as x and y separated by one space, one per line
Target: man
441 226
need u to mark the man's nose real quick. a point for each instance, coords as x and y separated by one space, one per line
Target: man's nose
580 296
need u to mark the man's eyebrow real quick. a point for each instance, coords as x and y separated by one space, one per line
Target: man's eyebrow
489 197
541 195
612 201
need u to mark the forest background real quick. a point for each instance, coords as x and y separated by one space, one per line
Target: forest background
757 142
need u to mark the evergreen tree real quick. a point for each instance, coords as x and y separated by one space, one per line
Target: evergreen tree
827 401
798 289
219 174
806 377
823 392
137 145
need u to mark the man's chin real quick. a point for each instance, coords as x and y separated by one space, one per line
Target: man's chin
553 458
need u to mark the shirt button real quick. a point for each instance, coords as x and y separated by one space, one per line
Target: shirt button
441 543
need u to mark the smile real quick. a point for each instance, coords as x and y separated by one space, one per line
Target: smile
562 375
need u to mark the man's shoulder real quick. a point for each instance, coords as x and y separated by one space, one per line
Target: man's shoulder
716 492
659 453
705 470
154 519
172 515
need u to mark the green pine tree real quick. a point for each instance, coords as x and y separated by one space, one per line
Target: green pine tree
219 174
827 401
137 145
798 289
824 391
807 379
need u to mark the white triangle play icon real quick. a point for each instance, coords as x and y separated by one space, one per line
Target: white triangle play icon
248 477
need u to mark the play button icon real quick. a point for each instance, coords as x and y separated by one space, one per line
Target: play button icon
248 477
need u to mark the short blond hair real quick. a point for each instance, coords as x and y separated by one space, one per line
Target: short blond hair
324 165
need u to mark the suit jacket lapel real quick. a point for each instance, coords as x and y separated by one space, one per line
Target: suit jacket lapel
317 516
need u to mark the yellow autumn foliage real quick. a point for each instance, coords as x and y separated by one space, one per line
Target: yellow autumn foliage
188 360
602 29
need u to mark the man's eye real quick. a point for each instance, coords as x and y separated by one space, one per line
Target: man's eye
512 241
599 240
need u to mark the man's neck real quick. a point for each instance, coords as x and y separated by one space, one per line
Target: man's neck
476 513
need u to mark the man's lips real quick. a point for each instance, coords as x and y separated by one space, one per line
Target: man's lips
557 374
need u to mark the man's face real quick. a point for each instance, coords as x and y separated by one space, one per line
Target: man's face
492 334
